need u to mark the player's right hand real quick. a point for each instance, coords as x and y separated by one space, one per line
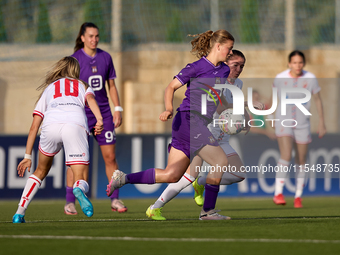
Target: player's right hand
165 115
23 165
98 128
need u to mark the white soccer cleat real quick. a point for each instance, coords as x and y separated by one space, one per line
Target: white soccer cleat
70 209
117 181
212 215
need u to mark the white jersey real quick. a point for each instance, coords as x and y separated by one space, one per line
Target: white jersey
216 131
63 102
307 81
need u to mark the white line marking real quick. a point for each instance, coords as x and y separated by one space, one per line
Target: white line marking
129 238
188 219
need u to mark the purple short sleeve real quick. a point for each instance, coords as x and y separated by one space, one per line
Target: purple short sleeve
111 70
186 74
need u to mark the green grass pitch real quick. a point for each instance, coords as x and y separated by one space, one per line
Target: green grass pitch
258 226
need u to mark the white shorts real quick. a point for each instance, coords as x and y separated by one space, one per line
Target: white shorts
223 140
72 136
301 135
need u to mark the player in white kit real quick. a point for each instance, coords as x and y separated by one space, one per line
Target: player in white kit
60 109
236 63
299 136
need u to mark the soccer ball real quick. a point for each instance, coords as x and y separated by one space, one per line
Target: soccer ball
231 124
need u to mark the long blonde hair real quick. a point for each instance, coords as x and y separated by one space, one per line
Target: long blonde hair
203 42
65 67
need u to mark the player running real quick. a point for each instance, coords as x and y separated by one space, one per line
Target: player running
190 135
61 106
297 137
236 63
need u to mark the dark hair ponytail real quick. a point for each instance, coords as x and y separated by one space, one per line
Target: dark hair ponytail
79 43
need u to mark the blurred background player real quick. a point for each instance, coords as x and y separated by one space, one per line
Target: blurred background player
265 129
297 137
190 135
96 68
61 107
236 64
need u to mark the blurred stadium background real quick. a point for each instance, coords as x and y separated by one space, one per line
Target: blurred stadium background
149 45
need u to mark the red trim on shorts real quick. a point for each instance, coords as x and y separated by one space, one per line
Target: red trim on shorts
292 136
285 135
46 153
308 142
68 163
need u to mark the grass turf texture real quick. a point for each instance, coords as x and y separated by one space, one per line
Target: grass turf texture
258 226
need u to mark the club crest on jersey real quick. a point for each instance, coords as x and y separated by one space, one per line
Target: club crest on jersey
94 69
217 80
212 139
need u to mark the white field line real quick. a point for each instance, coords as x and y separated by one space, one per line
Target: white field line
194 219
146 239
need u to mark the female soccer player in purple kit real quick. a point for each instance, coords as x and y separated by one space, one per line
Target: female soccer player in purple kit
96 67
190 135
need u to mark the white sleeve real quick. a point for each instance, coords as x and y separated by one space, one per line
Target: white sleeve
41 106
89 91
315 88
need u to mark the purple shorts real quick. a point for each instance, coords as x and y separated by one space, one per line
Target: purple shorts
190 133
108 135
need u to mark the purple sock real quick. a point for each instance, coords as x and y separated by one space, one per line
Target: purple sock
211 193
70 198
115 194
144 177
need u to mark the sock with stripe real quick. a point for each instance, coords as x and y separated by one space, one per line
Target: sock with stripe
172 190
227 178
32 185
83 185
280 176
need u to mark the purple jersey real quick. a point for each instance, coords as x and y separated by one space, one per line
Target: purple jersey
200 76
96 71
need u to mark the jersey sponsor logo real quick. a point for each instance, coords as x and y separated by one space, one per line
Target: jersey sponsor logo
77 155
96 82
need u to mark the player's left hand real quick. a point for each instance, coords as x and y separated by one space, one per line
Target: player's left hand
117 119
258 105
321 129
23 165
